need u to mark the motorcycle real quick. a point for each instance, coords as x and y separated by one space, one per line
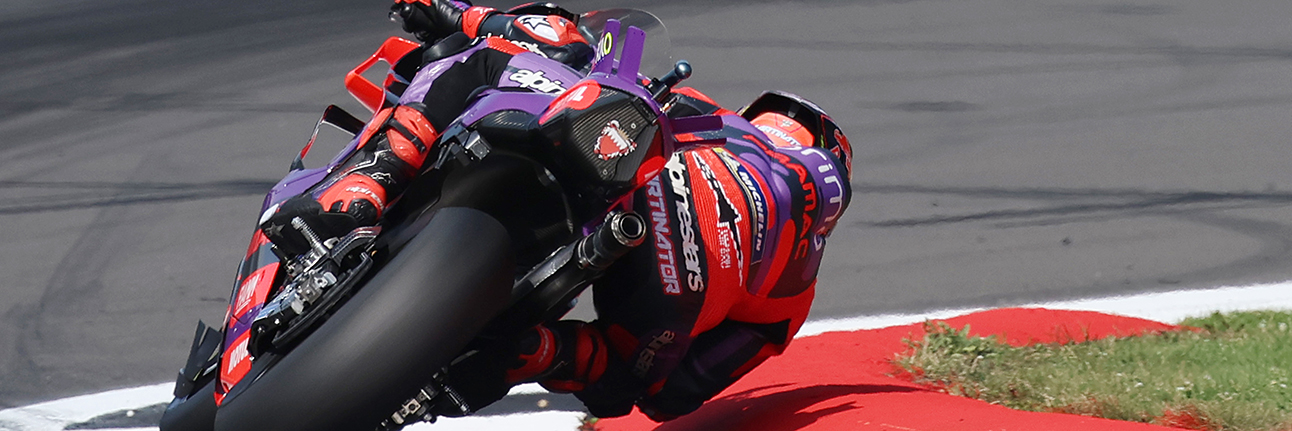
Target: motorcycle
491 239
522 208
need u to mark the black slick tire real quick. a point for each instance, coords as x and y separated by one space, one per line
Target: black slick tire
413 317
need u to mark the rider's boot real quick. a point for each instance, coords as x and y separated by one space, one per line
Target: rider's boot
579 358
392 149
564 357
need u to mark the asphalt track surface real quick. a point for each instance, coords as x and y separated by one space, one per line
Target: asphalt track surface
1006 151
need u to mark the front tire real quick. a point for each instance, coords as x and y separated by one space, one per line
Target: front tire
412 318
194 413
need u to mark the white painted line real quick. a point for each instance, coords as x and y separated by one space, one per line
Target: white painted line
528 388
817 327
54 415
1168 307
542 421
1172 307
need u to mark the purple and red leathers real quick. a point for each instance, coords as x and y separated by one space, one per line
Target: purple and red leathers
723 282
725 279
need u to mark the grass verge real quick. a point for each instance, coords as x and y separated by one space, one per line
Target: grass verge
1232 374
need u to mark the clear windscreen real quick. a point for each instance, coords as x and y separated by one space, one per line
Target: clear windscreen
657 59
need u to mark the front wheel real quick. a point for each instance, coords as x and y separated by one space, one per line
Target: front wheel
414 316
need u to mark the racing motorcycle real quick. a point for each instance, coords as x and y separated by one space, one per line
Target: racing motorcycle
515 217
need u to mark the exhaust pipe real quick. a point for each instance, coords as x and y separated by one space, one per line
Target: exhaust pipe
621 232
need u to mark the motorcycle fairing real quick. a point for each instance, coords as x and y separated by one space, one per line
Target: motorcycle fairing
492 101
369 94
257 273
256 278
607 129
535 72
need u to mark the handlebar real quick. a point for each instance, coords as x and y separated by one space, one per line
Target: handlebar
659 88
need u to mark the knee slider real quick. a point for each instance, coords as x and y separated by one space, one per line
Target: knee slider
535 353
582 355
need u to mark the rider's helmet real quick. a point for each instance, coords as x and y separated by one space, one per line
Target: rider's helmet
791 121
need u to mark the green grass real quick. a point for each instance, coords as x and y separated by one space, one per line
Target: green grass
1233 374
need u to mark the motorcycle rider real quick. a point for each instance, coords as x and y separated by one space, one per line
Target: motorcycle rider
724 280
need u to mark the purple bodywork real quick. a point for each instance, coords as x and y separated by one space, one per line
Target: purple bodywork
620 73
606 71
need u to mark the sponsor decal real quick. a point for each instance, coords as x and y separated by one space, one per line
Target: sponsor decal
646 359
382 177
835 198
536 81
607 42
756 199
613 142
833 195
584 96
663 242
530 46
367 192
690 251
247 292
778 133
809 207
786 123
843 151
237 356
729 247
807 199
838 136
578 98
538 26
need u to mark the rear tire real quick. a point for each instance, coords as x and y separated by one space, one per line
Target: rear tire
411 318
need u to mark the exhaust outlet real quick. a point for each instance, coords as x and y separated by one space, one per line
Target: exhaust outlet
621 232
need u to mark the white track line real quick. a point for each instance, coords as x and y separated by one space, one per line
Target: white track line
1168 307
54 415
541 421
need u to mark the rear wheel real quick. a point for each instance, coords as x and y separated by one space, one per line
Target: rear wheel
412 318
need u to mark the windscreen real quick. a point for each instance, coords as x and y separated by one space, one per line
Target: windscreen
657 60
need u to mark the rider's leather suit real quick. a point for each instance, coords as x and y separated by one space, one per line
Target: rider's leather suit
723 281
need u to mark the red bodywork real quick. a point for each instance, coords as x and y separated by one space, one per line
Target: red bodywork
257 276
370 94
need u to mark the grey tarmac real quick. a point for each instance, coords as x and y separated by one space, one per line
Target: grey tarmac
1006 151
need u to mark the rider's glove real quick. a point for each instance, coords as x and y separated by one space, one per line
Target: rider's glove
429 20
277 226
